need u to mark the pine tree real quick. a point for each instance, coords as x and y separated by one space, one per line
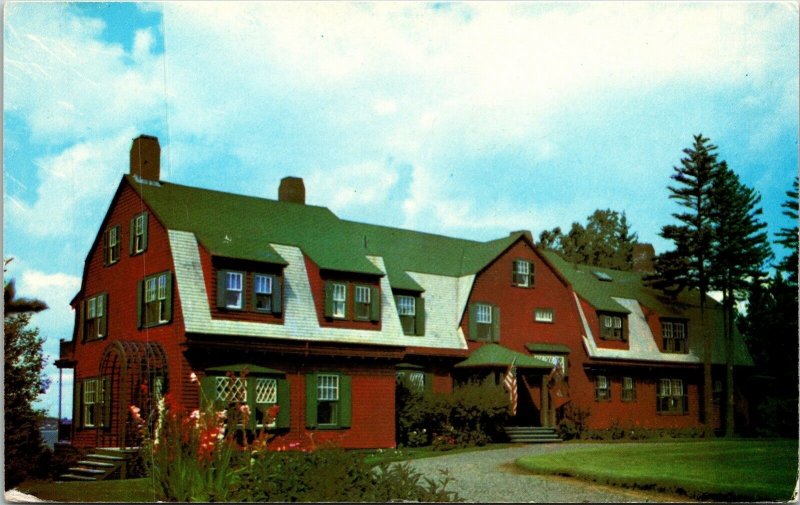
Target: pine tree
740 249
788 237
688 266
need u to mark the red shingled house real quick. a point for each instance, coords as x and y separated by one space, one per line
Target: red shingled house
324 313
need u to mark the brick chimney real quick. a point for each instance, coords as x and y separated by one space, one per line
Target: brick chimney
643 255
146 157
292 190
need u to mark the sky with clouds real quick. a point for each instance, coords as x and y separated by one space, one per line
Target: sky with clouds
466 119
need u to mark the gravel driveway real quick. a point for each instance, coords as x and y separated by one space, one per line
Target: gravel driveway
490 476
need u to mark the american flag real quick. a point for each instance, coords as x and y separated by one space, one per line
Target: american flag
510 384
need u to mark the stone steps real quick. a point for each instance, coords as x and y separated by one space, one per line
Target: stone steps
100 464
532 434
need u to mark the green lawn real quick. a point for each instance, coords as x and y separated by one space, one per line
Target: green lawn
717 469
130 490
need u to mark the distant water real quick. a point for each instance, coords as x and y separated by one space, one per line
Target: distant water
50 437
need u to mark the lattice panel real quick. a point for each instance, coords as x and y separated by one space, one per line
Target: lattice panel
231 389
266 391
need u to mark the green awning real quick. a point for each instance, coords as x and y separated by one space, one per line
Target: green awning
238 368
548 348
497 356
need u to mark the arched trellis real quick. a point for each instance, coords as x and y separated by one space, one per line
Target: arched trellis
133 373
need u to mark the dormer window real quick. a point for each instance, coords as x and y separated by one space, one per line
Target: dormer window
362 302
484 322
233 290
366 305
411 310
674 335
245 290
339 301
612 327
523 274
263 292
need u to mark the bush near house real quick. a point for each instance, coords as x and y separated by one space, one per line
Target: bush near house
473 414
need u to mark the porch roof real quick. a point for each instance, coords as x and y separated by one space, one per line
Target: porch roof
495 355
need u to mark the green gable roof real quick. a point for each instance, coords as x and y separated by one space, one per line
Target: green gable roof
242 227
495 355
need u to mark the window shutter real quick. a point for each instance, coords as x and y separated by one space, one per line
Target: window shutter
103 322
533 274
374 304
131 235
419 321
77 405
345 402
495 323
311 400
473 323
80 315
106 258
284 396
106 422
277 299
144 235
208 387
428 382
221 288
168 302
328 299
139 301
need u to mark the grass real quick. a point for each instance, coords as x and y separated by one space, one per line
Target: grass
130 490
408 453
752 470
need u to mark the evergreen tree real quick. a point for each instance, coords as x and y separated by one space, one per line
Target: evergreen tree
23 382
740 249
688 266
788 237
605 241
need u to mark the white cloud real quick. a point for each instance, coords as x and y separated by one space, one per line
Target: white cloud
56 290
358 185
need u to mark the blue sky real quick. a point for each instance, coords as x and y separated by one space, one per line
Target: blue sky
466 119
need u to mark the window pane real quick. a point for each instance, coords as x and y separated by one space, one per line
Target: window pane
99 306
406 305
362 294
679 330
483 314
91 308
162 287
339 292
150 290
608 322
231 389
666 330
326 412
544 315
233 281
328 387
617 322
266 390
140 224
263 284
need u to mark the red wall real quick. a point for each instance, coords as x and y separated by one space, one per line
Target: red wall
120 282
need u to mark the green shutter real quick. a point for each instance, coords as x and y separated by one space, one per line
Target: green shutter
473 323
277 299
428 382
328 299
345 403
132 234
139 302
495 323
81 314
250 384
533 274
221 288
104 320
77 405
106 258
419 321
106 422
144 235
311 400
168 303
284 397
208 388
375 304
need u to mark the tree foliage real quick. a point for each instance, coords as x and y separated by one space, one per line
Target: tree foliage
23 382
605 241
788 237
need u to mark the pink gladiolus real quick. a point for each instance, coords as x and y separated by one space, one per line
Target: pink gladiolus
193 377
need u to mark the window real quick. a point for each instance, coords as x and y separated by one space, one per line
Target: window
543 315
262 287
612 327
413 379
484 322
522 274
112 245
233 290
155 302
362 302
602 391
671 397
411 310
673 335
95 322
716 391
328 403
93 401
138 242
260 391
339 301
628 389
327 398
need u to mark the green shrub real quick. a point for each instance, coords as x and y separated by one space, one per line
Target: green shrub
573 423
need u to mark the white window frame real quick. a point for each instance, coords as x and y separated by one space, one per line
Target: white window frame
138 233
602 384
328 391
483 313
113 242
90 394
339 300
232 288
544 315
406 305
262 286
522 273
628 389
362 299
229 383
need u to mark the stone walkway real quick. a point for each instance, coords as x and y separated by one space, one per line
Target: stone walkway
491 477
